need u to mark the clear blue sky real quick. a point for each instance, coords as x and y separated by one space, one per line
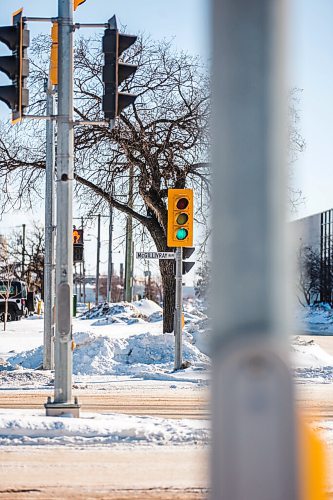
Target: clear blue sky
186 21
311 68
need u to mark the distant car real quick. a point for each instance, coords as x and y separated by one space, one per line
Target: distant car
17 301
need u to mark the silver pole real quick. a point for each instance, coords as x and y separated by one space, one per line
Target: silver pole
109 281
23 250
253 410
64 262
129 243
49 275
98 257
178 309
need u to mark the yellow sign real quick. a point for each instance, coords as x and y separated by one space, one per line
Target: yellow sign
313 464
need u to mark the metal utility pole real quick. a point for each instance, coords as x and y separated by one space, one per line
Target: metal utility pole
23 250
129 243
64 263
253 410
98 258
83 270
49 271
109 280
178 309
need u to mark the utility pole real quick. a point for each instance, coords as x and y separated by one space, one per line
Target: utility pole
83 270
253 424
98 257
49 274
23 250
129 242
109 280
64 263
178 309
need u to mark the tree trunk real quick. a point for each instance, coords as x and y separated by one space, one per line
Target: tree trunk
169 294
5 316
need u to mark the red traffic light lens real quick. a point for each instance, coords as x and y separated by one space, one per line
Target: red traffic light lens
182 203
182 219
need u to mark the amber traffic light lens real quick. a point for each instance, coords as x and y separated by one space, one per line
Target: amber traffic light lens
182 203
182 219
181 234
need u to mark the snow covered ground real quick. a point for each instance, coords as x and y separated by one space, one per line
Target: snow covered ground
316 319
122 347
114 342
30 427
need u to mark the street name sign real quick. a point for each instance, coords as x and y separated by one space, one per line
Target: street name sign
155 255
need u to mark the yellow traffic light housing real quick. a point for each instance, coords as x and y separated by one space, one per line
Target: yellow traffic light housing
54 55
180 218
77 3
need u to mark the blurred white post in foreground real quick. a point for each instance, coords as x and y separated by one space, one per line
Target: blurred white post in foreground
253 408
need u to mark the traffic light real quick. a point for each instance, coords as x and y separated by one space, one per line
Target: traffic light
16 66
54 55
187 265
180 218
116 72
77 245
77 3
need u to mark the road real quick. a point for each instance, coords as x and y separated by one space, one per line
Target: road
140 473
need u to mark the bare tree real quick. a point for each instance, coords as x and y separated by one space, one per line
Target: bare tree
162 141
6 279
34 250
309 275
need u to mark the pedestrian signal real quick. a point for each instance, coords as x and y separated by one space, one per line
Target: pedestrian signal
77 236
180 218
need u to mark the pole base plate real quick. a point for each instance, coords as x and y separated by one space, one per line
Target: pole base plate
62 410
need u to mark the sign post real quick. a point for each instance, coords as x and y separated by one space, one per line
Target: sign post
178 327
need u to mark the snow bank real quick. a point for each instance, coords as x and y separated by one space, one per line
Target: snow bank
308 354
124 312
20 427
134 355
311 361
317 318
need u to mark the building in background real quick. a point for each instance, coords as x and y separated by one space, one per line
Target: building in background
315 248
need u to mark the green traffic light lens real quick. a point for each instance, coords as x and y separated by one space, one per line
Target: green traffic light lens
182 203
181 234
182 219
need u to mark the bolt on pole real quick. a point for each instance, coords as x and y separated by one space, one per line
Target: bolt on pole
253 423
178 309
64 256
49 276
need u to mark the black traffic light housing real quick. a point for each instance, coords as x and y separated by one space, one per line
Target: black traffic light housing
16 66
116 72
78 245
187 266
